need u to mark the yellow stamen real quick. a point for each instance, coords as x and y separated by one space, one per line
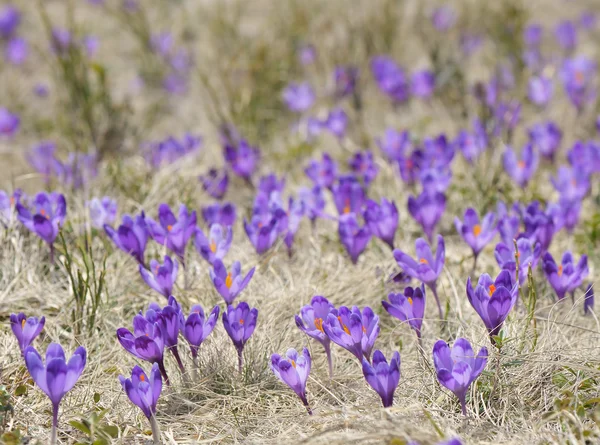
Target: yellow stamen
560 270
364 330
228 281
346 330
213 247
410 301
293 363
319 324
476 230
423 261
241 321
346 206
521 164
492 289
22 323
169 227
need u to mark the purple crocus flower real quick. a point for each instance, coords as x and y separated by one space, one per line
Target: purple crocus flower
470 42
269 184
26 329
9 123
197 327
345 78
363 166
532 35
7 207
539 225
102 211
390 78
577 75
423 84
170 319
336 122
493 300
324 173
229 284
477 234
567 276
243 158
261 235
565 214
508 224
223 214
571 183
57 376
42 159
443 18
587 20
383 378
10 18
171 231
427 209
546 137
313 202
410 166
307 54
394 144
293 371
408 307
521 170
161 278
348 195
458 367
353 237
540 90
566 35
426 269
435 180
239 323
472 144
45 217
215 183
382 220
16 51
529 254
143 391
353 330
299 97
216 245
585 157
588 300
295 212
131 236
310 321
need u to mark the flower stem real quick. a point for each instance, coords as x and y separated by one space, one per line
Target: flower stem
155 431
240 360
463 405
195 368
54 424
327 348
163 372
437 299
175 353
475 256
51 253
305 402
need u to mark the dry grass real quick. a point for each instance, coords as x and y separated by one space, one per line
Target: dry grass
513 402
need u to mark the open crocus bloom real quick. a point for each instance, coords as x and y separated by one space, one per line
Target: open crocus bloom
353 330
161 278
567 276
477 234
216 245
408 307
46 215
229 284
131 236
173 232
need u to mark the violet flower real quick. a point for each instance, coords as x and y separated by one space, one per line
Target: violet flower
509 224
215 182
269 184
571 183
57 376
171 231
532 35
566 35
243 159
564 214
310 321
299 97
353 237
540 90
352 330
223 214
427 269
16 51
345 78
567 276
261 235
427 209
577 75
102 211
529 252
336 122
423 84
348 195
394 144
493 300
390 78
435 180
239 323
295 212
131 236
539 225
458 367
26 329
382 220
408 307
216 245
313 202
42 159
170 319
229 284
477 234
363 166
323 173
443 18
197 327
307 54
293 371
9 123
8 207
161 278
383 378
471 144
410 166
521 170
144 391
10 19
546 137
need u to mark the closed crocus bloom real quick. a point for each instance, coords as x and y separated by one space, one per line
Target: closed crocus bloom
229 284
427 209
394 144
472 144
10 18
293 370
408 307
348 195
390 78
270 183
477 234
26 329
423 84
383 377
546 137
529 254
323 173
577 75
161 278
564 214
310 321
16 51
313 202
223 214
532 34
216 245
571 183
262 235
243 159
144 391
353 237
493 300
567 276
42 159
344 78
299 97
131 236
171 231
215 182
353 330
566 35
102 211
336 122
588 300
539 225
410 166
57 376
427 268
509 224
458 367
521 170
540 90
435 180
382 220
363 166
197 327
239 323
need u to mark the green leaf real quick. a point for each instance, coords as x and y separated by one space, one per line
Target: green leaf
111 430
80 426
22 389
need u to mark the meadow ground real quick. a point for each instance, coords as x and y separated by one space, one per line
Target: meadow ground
541 388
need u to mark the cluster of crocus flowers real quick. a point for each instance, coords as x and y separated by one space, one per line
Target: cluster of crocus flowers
353 330
239 323
293 370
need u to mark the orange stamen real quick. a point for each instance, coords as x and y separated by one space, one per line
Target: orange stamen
410 300
409 164
477 230
346 330
346 206
293 363
241 321
560 270
169 227
23 324
521 164
12 200
228 281
423 261
42 212
142 378
319 324
213 247
579 77
492 288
